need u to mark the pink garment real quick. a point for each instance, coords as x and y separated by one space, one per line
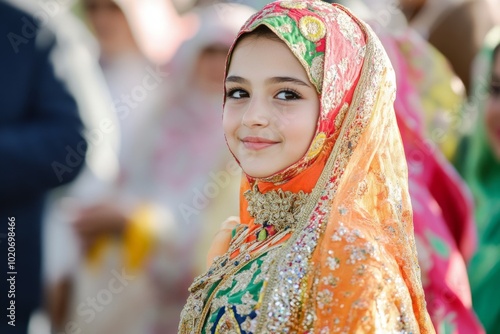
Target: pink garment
442 207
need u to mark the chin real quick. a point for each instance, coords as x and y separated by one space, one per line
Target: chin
257 175
257 172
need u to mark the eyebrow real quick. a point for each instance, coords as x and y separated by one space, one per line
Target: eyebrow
273 80
236 79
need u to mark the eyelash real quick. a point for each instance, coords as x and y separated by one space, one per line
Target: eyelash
298 96
230 92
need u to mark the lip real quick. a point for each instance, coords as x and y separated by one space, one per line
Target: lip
257 143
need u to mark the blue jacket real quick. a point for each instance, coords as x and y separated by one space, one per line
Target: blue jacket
41 147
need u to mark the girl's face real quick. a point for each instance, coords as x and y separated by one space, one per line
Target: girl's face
271 107
493 109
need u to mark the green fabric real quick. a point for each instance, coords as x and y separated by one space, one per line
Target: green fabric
235 299
293 37
481 171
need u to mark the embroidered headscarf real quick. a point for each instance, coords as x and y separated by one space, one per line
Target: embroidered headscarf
348 263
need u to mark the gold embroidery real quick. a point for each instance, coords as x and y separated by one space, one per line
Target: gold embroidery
277 208
324 297
348 28
249 325
317 70
293 5
299 48
285 28
228 324
243 278
219 302
333 262
247 304
312 28
341 115
316 145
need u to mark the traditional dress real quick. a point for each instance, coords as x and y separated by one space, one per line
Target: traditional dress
442 207
327 244
482 172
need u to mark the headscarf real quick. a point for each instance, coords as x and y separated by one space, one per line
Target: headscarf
442 206
482 173
349 261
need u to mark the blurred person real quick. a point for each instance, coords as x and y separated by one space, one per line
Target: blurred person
442 208
184 162
481 169
130 55
115 234
77 58
144 226
455 27
42 147
441 93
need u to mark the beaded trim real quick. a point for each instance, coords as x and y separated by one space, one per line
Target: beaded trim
276 208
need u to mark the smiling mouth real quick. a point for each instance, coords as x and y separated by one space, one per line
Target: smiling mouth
257 143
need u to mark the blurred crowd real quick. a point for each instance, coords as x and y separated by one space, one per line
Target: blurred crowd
116 169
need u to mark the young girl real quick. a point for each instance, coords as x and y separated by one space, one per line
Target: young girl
325 242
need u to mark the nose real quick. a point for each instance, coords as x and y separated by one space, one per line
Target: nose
256 114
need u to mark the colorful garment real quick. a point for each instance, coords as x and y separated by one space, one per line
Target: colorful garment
481 170
327 244
441 92
442 208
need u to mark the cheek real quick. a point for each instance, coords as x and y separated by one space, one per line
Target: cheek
229 123
300 133
492 115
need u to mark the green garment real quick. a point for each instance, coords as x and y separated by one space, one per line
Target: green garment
481 171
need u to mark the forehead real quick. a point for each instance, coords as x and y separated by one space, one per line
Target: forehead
261 56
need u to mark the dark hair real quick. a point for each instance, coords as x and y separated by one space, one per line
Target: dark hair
495 52
261 31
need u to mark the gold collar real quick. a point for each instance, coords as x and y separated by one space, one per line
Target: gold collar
276 208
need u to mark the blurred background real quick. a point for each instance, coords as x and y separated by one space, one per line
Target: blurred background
117 173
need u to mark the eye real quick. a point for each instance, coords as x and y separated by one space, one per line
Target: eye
237 93
287 95
494 89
